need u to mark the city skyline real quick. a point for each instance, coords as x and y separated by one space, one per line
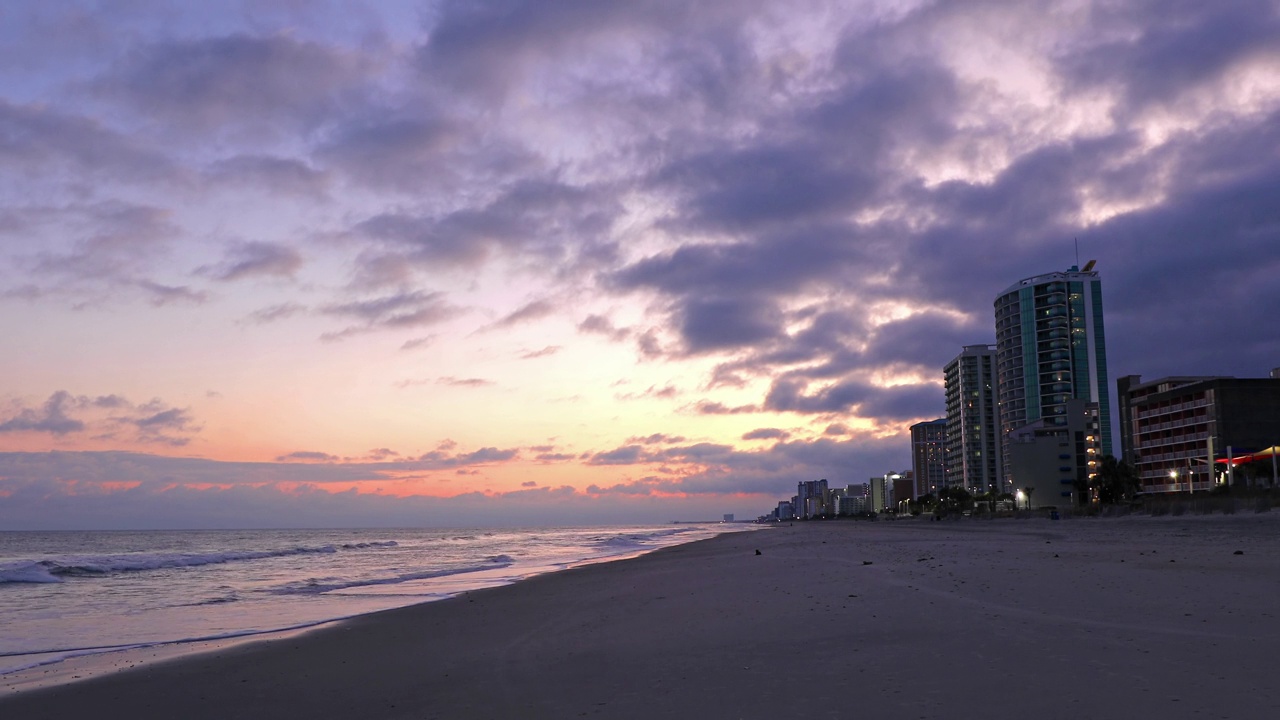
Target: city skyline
502 263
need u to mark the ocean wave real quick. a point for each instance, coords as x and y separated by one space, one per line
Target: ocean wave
636 540
364 545
315 586
27 572
55 570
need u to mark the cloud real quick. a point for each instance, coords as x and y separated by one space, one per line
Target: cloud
310 466
653 391
384 151
43 139
708 407
254 259
544 352
1159 52
171 426
718 324
274 312
537 220
656 439
601 325
626 455
464 382
49 418
488 455
160 295
406 309
282 176
57 488
535 310
107 417
767 434
308 456
115 241
898 402
213 82
419 342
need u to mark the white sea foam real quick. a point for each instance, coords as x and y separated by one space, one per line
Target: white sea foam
314 586
54 570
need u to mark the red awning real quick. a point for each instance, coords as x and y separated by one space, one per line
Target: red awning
1266 454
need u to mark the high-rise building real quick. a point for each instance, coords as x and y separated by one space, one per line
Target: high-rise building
928 464
1050 348
972 448
881 488
812 498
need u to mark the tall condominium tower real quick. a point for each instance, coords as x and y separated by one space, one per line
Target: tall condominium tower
1050 348
928 459
972 447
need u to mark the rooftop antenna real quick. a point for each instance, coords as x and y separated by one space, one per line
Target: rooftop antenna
1077 251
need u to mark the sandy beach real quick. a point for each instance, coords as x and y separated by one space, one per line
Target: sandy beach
1170 617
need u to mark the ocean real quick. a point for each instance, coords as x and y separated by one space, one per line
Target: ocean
65 594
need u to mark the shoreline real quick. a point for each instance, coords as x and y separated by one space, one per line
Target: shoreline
60 667
1078 618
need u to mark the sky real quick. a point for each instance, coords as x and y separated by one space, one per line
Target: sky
307 264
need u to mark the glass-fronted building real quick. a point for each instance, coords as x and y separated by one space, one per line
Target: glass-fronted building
1051 348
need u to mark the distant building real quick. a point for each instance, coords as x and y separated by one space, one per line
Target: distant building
973 459
852 500
883 491
904 489
928 462
850 505
785 511
1051 462
812 499
1050 349
1173 430
728 517
878 499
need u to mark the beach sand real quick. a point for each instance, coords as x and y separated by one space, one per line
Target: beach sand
1082 618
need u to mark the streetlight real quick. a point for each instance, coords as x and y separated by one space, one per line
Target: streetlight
1173 476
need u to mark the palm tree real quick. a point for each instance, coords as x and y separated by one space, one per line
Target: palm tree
1116 482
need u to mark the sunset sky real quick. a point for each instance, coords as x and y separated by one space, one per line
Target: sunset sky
280 263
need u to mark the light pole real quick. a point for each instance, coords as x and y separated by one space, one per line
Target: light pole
1173 477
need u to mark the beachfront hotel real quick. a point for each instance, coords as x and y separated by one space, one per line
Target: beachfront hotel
1050 348
812 499
1173 430
972 446
928 457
